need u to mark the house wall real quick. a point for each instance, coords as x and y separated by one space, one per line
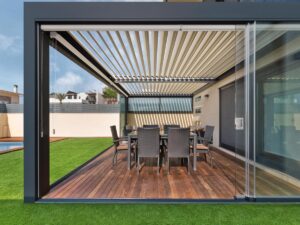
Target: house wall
4 131
210 106
65 124
15 123
11 97
139 119
83 124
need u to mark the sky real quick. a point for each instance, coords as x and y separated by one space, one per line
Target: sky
64 74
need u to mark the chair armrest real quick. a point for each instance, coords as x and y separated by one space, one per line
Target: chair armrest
118 141
203 140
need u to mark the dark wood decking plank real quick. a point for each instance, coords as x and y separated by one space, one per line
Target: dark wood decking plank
99 179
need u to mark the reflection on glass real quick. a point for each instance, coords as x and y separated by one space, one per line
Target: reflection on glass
278 109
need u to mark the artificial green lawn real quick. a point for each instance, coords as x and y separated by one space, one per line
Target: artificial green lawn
68 154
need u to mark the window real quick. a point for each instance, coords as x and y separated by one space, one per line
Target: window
160 104
198 110
143 105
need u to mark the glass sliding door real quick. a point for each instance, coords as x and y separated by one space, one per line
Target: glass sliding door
277 110
239 112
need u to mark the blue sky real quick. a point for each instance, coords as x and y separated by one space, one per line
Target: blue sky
11 44
65 75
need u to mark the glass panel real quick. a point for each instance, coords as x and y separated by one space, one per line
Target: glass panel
81 111
160 104
143 104
176 104
238 127
277 110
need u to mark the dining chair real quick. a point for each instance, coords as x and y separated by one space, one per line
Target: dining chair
127 130
208 135
151 126
120 144
203 145
167 126
178 145
148 145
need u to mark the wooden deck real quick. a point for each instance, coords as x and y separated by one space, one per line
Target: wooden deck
98 179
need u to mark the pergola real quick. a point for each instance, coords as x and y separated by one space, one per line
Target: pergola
140 49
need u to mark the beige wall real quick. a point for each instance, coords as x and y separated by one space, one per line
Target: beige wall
4 131
139 119
83 124
210 106
15 122
65 124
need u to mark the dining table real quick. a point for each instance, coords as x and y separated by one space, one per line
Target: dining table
133 136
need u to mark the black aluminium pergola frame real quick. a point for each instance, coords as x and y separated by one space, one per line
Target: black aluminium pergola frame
36 61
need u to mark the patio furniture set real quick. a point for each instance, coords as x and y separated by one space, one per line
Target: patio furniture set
170 142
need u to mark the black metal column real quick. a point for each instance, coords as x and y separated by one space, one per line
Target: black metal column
36 111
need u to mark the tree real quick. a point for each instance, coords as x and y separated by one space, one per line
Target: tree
109 95
60 97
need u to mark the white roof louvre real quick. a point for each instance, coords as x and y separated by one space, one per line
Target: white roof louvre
163 59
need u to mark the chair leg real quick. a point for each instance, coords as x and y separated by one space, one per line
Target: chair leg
138 166
168 165
188 165
136 157
114 158
158 165
211 159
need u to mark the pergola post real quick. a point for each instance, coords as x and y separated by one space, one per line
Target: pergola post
36 110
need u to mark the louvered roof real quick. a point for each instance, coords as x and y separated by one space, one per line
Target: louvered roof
161 59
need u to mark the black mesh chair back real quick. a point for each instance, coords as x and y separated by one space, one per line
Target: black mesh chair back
151 126
178 142
167 126
114 134
208 135
148 142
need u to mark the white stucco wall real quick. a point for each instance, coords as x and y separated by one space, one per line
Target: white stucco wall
210 106
83 124
68 124
15 124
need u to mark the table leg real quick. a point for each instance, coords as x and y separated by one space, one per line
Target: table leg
129 153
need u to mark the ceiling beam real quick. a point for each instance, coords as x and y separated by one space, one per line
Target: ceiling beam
166 80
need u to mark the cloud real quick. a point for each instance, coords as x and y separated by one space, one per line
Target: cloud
54 67
69 81
10 44
94 86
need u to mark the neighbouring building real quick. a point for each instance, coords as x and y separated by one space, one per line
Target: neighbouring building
81 98
9 97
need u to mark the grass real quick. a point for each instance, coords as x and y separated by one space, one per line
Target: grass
68 154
